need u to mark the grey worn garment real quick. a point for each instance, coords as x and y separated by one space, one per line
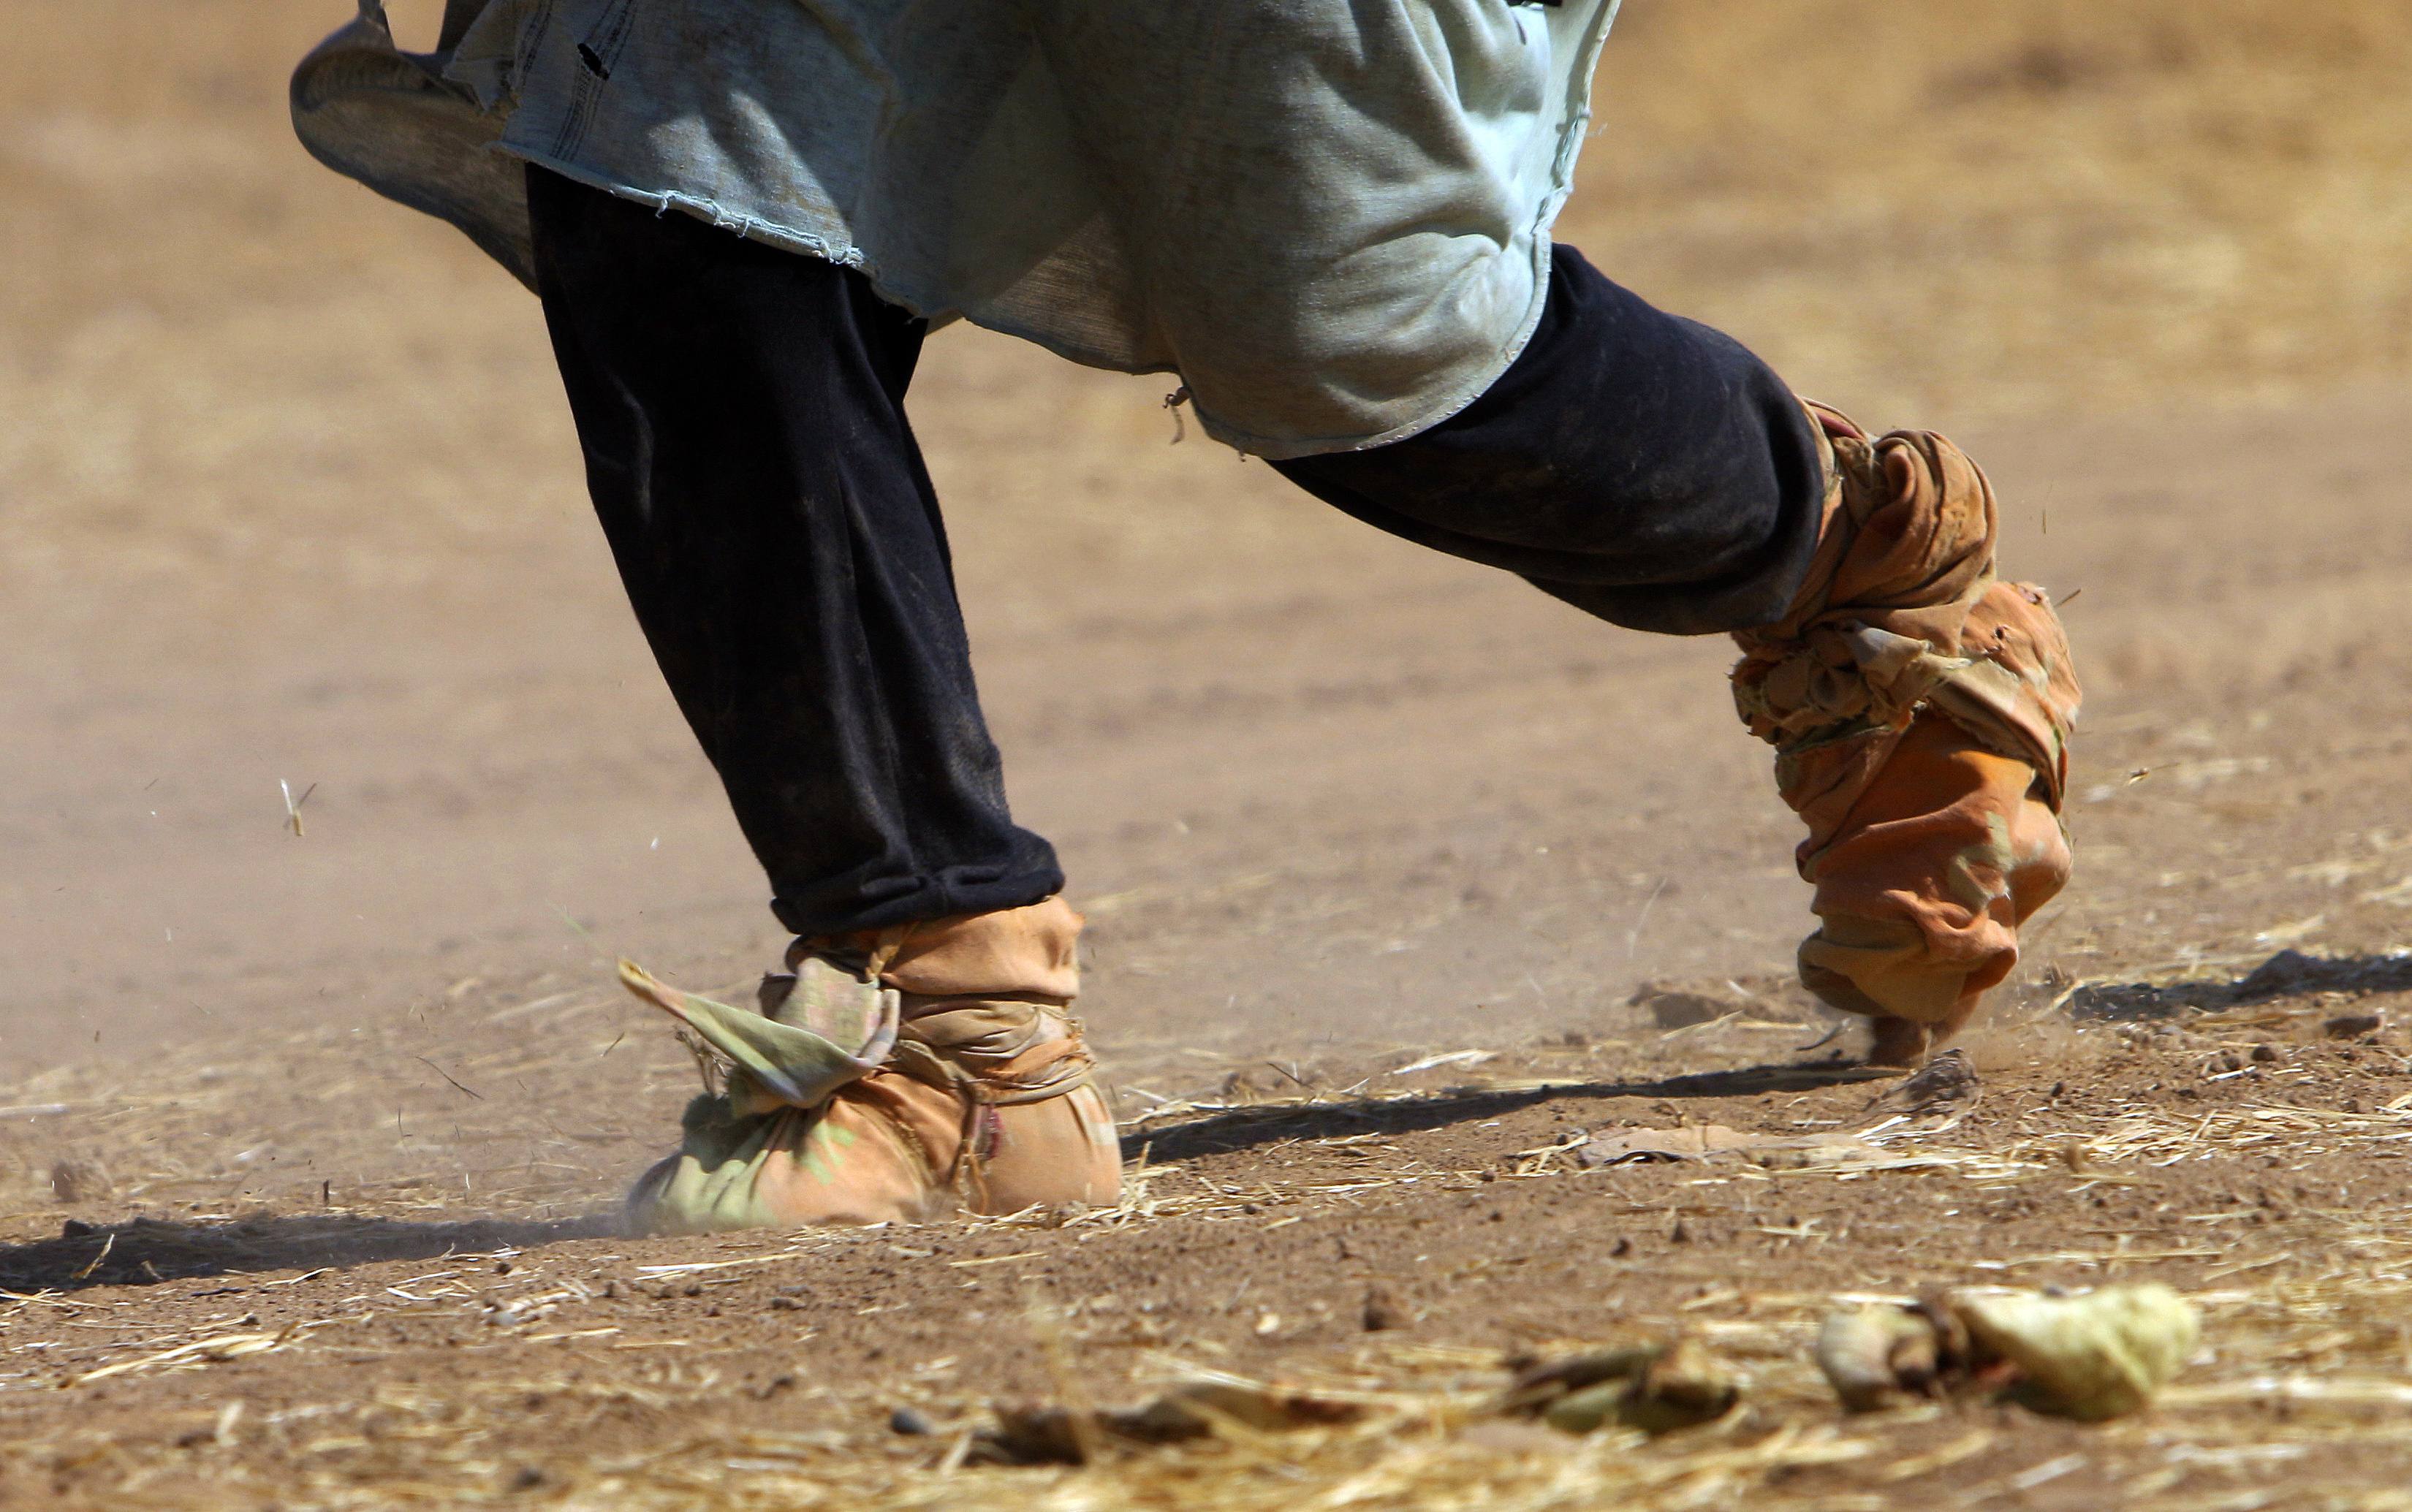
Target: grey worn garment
1330 217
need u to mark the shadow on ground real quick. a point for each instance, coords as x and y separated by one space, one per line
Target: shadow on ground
1244 1128
2287 974
148 1250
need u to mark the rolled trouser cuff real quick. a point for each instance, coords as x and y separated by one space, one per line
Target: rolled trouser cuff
1032 952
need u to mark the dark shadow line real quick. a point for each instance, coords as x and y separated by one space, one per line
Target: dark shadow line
1244 1128
151 1250
2287 974
146 1251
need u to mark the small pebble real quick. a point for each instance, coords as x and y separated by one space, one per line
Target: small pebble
1383 1311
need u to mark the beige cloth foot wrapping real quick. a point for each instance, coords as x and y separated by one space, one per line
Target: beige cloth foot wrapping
1921 710
897 1075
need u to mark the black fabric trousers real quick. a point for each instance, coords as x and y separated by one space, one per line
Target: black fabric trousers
741 412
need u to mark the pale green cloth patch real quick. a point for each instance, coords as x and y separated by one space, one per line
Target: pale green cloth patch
778 1064
712 1185
780 1071
1330 217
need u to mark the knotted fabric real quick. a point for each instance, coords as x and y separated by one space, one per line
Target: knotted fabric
891 1076
1921 710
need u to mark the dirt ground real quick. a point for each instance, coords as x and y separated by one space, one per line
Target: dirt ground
310 1144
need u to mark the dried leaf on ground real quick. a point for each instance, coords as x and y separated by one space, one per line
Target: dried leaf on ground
1880 1355
1658 1390
2091 1357
1617 1144
1052 1434
2098 1356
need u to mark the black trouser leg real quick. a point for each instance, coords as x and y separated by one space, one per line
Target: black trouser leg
742 413
1639 466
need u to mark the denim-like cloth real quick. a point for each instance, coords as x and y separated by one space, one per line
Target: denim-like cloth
1330 217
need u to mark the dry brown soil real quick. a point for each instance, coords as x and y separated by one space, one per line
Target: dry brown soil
309 1144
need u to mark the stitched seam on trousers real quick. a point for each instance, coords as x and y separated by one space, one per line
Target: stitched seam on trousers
534 28
598 56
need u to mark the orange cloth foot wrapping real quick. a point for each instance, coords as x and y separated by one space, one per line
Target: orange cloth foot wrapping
1920 712
894 1076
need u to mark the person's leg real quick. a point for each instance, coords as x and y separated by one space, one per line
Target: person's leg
742 413
1640 466
1654 473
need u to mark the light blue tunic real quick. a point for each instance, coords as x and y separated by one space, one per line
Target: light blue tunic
1330 217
